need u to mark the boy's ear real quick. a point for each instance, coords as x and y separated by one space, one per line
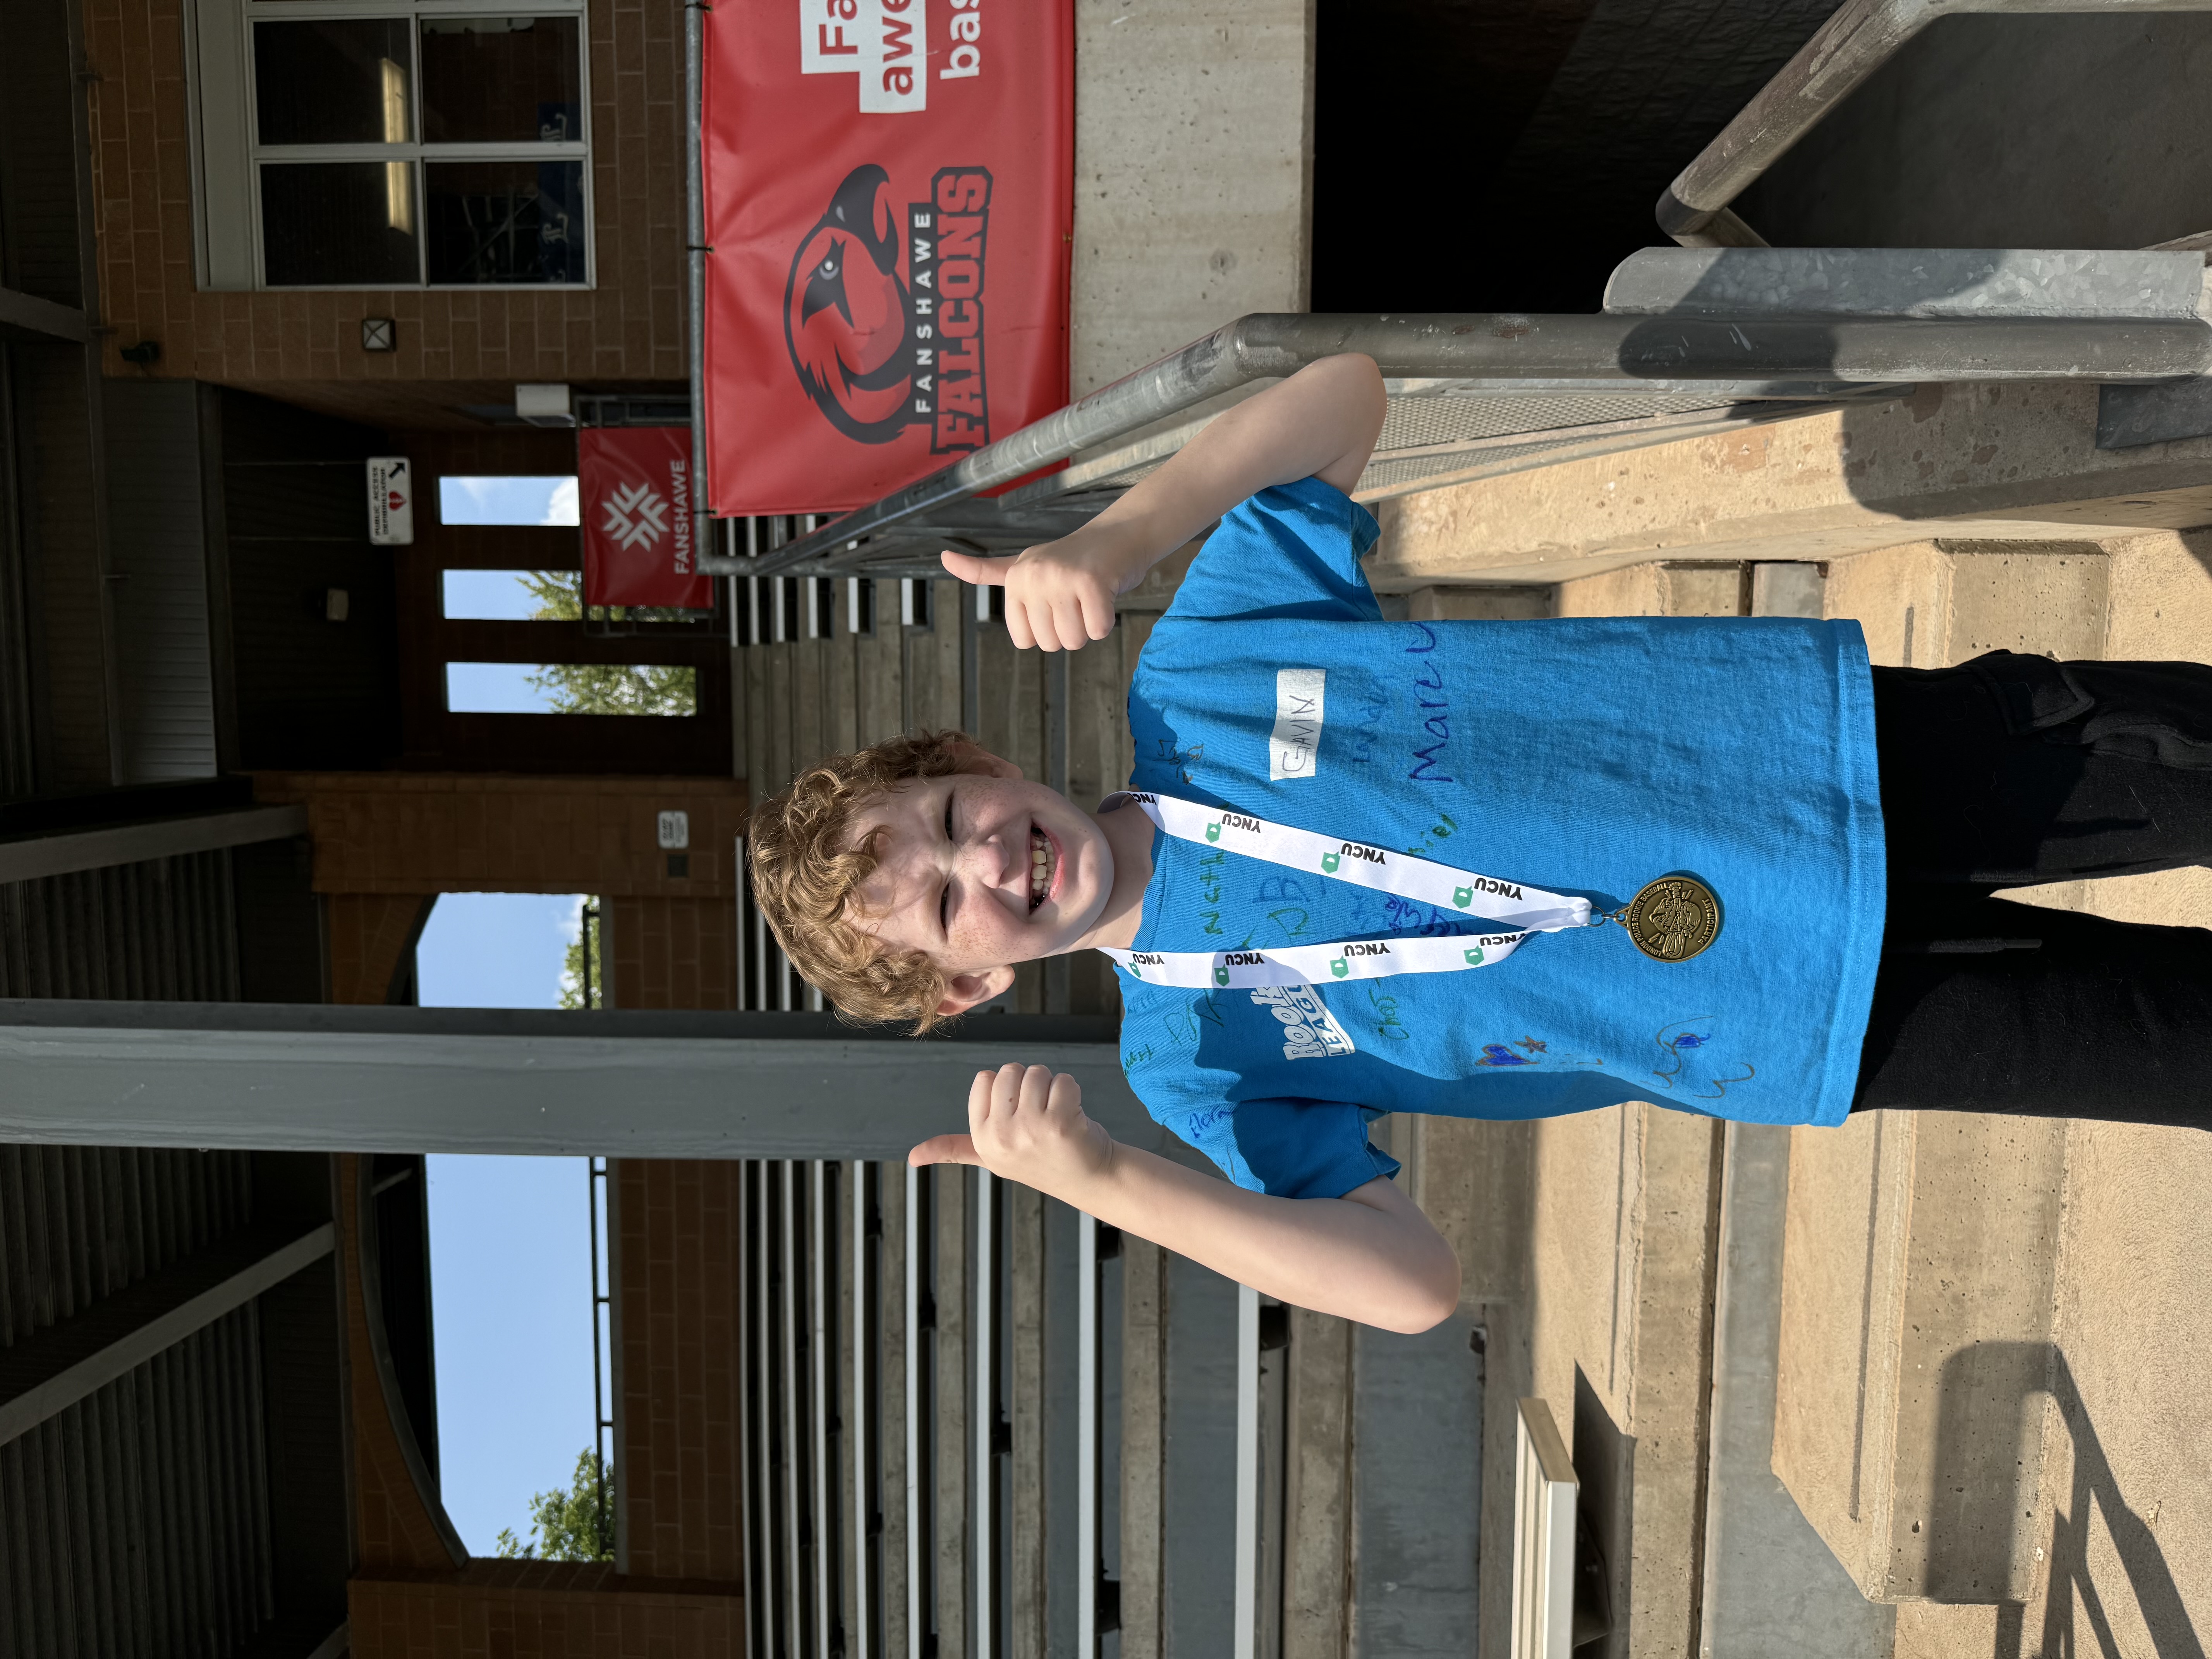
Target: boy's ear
982 762
964 991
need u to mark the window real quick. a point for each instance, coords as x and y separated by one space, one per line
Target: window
571 688
390 143
510 595
517 500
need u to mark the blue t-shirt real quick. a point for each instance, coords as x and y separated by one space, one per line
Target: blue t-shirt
1584 757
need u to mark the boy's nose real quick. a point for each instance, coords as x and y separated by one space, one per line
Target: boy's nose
991 859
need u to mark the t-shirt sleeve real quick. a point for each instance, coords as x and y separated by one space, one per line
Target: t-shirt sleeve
1287 1148
1290 551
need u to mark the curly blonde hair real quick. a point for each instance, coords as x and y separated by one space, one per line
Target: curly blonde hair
805 877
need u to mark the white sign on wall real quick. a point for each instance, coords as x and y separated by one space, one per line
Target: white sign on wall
391 500
675 830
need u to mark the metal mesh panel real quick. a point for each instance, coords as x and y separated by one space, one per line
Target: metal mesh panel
1415 422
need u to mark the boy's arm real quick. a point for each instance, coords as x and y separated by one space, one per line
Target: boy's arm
1370 1255
1320 423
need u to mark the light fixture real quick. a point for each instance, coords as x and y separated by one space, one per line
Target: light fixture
379 334
544 405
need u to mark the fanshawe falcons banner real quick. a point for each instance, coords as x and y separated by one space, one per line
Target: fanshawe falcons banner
889 200
633 501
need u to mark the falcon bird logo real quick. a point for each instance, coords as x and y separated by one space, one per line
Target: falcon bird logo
847 318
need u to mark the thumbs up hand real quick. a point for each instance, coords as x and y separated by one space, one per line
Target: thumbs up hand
1026 1124
1059 595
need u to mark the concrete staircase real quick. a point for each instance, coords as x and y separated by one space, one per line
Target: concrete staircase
1962 1413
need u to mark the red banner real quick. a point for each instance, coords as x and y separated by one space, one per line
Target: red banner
889 204
634 499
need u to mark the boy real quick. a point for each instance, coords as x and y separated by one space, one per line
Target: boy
1498 870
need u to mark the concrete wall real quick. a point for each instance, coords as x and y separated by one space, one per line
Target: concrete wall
1193 123
1968 462
2008 133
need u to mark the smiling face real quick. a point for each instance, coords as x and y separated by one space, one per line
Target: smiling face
980 870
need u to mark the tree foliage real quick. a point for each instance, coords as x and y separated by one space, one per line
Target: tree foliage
607 688
572 973
564 1526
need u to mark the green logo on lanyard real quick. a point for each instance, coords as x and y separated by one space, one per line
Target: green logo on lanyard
1337 967
1329 861
1462 896
1473 957
1221 976
1213 832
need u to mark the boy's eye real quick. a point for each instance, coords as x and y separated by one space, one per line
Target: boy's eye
945 893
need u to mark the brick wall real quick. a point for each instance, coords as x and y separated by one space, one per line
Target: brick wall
383 841
306 347
395 1531
675 1291
671 952
369 934
526 1610
444 832
677 1288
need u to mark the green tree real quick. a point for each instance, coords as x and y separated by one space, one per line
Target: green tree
572 975
607 688
564 1526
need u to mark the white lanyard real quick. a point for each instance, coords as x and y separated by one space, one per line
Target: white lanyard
1518 910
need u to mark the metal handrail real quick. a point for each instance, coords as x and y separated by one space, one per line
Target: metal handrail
1749 352
1855 41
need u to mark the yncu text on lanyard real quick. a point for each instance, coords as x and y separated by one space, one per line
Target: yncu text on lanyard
1670 919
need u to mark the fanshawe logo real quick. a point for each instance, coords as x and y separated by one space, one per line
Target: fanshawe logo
878 352
635 516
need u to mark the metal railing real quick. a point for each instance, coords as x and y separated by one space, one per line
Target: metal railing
892 1508
1545 1493
1474 396
1857 40
604 1393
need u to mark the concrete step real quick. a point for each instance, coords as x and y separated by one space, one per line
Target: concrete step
1981 1338
1988 1389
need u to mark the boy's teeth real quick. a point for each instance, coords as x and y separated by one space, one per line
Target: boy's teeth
1040 867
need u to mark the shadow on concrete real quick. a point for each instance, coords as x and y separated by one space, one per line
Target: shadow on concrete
1972 1547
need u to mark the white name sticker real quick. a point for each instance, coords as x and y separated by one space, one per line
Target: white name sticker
1293 749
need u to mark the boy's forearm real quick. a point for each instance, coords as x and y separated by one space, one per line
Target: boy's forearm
1377 1262
1320 421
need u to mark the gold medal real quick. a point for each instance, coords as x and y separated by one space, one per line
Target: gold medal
1672 918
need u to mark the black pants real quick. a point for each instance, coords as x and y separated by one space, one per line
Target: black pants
2014 769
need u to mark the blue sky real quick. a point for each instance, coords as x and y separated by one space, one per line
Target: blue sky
493 688
531 501
490 595
510 1247
496 688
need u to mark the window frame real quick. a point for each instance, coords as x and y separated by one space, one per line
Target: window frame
228 155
